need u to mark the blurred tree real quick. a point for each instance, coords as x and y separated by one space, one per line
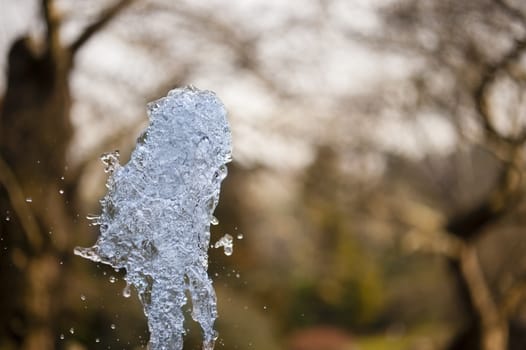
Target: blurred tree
342 284
38 195
465 61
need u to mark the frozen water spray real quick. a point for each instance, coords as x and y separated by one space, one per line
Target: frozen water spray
156 216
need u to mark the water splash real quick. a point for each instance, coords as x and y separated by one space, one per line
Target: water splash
156 216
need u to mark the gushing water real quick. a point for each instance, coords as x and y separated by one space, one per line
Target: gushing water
156 216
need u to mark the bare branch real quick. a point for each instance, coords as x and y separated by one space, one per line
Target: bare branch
494 327
52 21
488 77
96 26
242 44
493 316
507 189
512 12
504 195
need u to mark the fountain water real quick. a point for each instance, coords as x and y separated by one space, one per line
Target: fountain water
156 216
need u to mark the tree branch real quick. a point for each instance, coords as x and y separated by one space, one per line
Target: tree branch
242 43
494 326
488 77
502 197
507 189
52 21
96 26
512 11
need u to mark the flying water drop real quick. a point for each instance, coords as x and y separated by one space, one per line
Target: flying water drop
214 221
126 292
227 243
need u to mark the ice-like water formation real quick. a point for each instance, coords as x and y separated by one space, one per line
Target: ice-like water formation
227 243
155 219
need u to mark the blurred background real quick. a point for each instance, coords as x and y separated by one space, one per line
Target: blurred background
376 192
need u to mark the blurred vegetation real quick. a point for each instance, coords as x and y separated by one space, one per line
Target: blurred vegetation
376 194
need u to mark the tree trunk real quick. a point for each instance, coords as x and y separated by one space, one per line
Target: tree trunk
35 131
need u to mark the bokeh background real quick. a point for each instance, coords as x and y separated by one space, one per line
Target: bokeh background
376 192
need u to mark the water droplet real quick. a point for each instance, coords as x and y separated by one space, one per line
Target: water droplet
72 330
227 243
112 326
62 336
88 253
126 292
29 200
97 340
214 221
264 307
62 177
153 106
223 172
110 161
239 236
82 297
238 275
61 191
112 279
95 219
7 218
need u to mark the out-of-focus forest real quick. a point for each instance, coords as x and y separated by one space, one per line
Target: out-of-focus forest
376 192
